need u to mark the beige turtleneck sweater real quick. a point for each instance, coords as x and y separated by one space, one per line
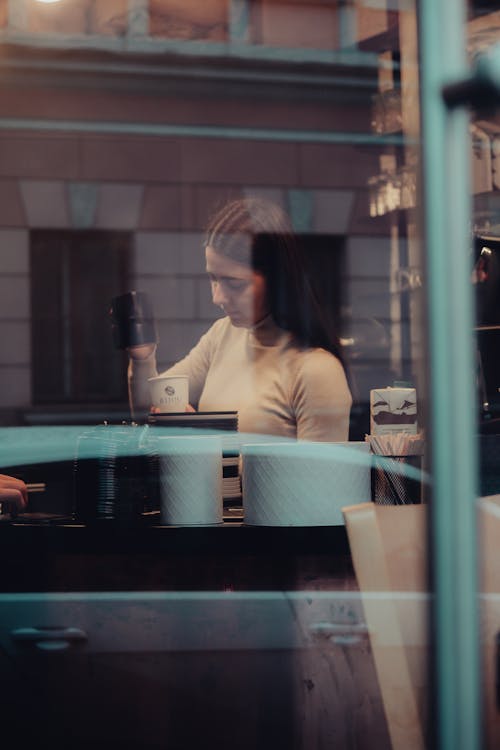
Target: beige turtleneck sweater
277 387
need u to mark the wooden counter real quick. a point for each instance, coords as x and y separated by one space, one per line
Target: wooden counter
110 557
227 637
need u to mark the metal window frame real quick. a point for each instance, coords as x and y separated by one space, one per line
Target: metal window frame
447 228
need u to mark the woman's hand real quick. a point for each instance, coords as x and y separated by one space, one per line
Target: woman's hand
141 352
13 492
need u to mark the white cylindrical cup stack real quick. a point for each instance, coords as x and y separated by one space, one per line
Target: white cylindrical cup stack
303 484
190 473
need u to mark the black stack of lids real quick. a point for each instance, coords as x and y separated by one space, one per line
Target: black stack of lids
200 420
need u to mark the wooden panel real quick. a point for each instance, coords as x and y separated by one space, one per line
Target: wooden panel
183 671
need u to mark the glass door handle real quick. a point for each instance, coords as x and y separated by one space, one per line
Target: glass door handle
481 89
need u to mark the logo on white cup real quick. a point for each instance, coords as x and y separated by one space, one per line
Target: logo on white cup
171 397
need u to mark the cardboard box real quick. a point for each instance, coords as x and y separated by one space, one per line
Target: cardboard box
393 410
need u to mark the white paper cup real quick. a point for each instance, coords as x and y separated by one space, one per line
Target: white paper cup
169 393
190 480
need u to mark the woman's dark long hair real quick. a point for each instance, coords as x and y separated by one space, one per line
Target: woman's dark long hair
264 229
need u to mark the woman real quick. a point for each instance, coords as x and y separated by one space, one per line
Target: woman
272 358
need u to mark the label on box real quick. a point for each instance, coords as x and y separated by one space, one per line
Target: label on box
393 410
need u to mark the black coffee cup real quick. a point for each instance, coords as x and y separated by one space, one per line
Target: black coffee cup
132 320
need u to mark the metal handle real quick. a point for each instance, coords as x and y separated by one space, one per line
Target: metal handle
345 634
49 638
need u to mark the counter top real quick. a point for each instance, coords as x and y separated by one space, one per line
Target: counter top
107 536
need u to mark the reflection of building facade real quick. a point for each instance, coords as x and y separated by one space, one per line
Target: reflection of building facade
135 125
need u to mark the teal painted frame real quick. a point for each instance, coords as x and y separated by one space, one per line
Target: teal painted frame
447 233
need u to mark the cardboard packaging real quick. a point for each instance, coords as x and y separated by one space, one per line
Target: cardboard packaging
393 410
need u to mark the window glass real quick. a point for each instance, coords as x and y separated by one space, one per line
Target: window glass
228 192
